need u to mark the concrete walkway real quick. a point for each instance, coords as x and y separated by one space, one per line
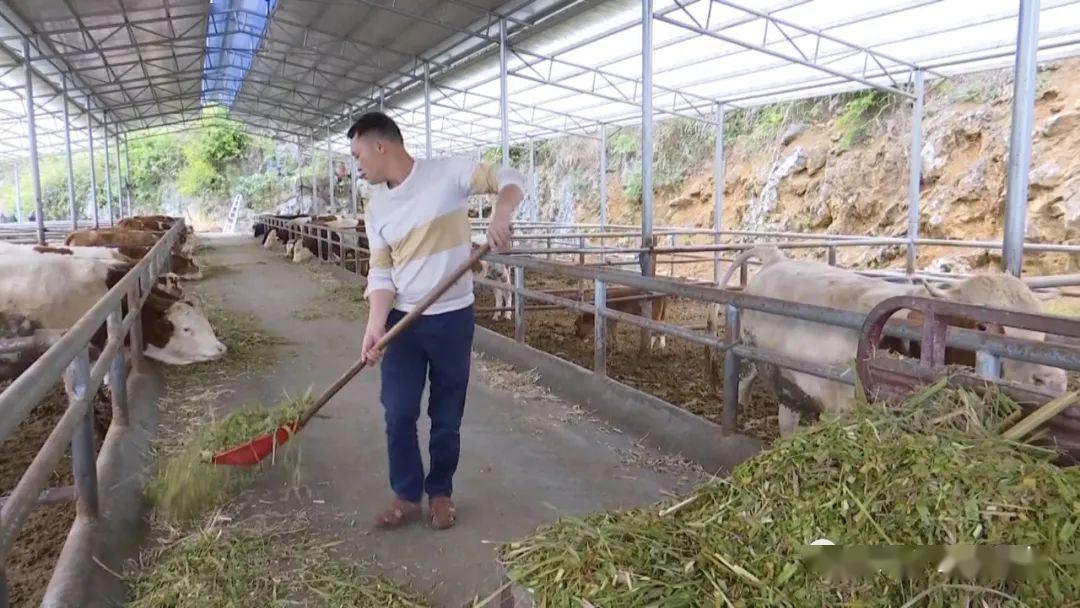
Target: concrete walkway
524 461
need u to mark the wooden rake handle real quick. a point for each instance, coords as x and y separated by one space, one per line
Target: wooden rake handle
395 331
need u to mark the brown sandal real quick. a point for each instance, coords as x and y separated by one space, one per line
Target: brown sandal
442 512
400 513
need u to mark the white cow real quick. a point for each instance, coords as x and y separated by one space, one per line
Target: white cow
497 272
816 283
54 291
272 241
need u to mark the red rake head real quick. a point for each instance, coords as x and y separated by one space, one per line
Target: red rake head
254 451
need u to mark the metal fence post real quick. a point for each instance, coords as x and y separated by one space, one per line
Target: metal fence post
744 276
519 304
731 370
600 333
108 175
987 365
581 250
118 370
133 298
832 255
83 463
93 171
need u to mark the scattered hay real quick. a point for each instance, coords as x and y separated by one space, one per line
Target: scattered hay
188 486
217 568
505 377
935 472
347 300
213 271
307 314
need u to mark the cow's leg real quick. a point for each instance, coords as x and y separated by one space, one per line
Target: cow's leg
745 384
509 295
789 420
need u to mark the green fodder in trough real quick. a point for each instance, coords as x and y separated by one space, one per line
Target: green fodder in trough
935 472
219 569
188 485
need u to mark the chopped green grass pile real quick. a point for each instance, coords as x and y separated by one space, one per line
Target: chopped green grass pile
188 485
218 569
934 472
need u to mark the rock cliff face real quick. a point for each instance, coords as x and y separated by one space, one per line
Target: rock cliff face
822 171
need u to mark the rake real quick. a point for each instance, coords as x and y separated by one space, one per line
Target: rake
259 448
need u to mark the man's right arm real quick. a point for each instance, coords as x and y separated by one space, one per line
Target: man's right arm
380 291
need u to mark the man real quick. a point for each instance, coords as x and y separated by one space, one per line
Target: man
418 232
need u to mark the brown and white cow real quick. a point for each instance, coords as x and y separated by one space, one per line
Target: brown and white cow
585 323
135 244
54 291
816 283
168 282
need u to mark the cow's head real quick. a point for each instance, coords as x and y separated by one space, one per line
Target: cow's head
176 333
999 290
185 267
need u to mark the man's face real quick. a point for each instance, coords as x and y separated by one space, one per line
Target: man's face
371 158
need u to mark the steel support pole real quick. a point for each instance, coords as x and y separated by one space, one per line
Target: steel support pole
316 202
504 95
330 168
127 176
108 175
31 134
915 171
18 195
535 204
67 153
718 189
93 171
603 182
1023 117
648 260
119 179
353 205
427 111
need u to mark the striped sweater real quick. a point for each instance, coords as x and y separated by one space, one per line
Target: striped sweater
418 231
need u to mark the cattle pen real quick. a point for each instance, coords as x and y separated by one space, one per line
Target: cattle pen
624 346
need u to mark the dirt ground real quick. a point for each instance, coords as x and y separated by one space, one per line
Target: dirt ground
676 374
32 558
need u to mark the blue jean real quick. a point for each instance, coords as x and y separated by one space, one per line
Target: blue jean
436 349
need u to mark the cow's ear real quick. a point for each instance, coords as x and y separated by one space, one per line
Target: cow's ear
940 291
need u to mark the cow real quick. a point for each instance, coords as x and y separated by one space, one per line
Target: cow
634 304
158 224
16 326
56 291
503 298
819 284
168 282
272 241
135 244
261 230
327 251
496 272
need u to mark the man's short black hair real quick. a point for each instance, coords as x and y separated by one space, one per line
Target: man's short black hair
378 124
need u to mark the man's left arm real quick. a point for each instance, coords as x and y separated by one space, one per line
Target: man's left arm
509 186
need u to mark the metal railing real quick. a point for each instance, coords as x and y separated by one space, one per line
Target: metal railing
989 347
68 359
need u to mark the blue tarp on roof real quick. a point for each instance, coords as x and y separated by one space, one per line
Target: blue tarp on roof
233 35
